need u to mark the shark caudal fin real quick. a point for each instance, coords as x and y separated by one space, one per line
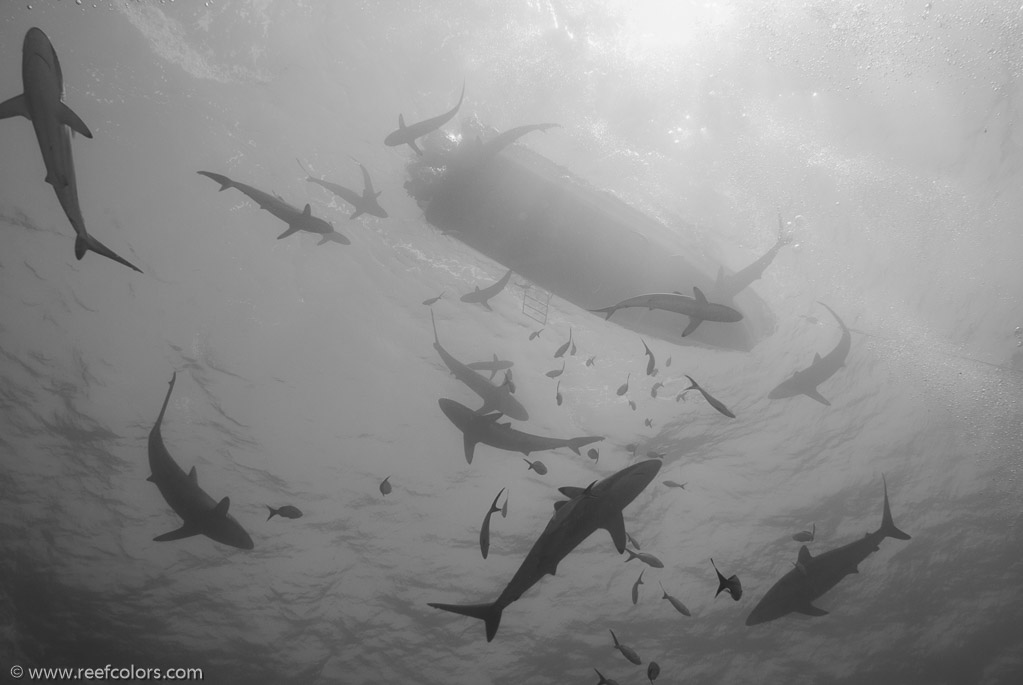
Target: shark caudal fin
334 237
88 243
575 443
606 311
888 528
490 614
224 181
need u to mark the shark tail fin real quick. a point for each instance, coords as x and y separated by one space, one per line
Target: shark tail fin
334 237
87 243
606 311
224 181
490 614
575 443
888 528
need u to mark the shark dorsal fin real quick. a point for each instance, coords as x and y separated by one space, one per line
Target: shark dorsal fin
571 491
698 294
817 358
307 211
559 504
401 121
193 476
616 526
677 293
221 508
804 556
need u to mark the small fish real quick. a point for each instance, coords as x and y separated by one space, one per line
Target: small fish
673 484
593 454
557 396
731 584
635 591
711 400
385 487
536 466
657 386
504 508
681 397
485 528
433 300
287 511
605 681
564 348
508 382
667 362
655 455
648 423
554 373
628 652
679 606
632 541
535 334
651 363
632 447
624 387
806 535
652 671
632 404
572 351
589 362
648 559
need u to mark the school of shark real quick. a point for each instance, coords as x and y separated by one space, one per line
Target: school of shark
499 424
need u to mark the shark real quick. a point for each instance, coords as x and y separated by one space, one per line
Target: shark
482 295
730 285
41 102
477 428
361 204
697 308
200 513
471 156
813 576
805 382
406 135
296 219
495 398
587 510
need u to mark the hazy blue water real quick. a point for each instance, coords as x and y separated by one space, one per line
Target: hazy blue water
306 374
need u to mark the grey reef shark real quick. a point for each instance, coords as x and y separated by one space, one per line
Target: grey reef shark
470 156
815 575
805 382
587 509
361 204
201 514
697 308
296 219
482 295
730 285
477 428
53 121
495 398
406 135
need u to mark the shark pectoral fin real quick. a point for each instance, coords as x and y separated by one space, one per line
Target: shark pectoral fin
699 296
193 476
571 491
559 504
15 107
186 531
354 215
401 121
616 526
804 556
470 448
222 506
412 144
72 120
693 324
810 610
813 394
308 211
291 229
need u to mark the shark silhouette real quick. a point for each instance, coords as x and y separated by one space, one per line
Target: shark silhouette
361 204
805 382
406 135
41 103
697 308
730 285
815 575
598 506
296 219
202 515
482 295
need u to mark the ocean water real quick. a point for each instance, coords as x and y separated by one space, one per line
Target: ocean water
888 138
